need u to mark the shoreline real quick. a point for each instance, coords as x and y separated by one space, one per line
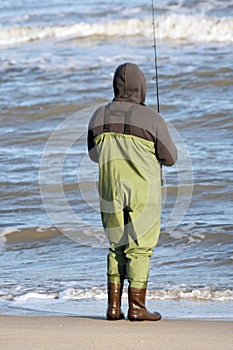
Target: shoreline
61 333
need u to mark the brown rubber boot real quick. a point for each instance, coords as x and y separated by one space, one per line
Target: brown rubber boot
137 309
114 302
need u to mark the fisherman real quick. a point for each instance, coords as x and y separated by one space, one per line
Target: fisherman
130 141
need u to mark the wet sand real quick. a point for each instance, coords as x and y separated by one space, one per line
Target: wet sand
74 333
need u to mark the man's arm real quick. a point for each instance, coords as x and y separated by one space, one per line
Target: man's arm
93 154
165 149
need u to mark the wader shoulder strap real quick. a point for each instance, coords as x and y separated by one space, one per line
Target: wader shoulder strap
128 118
106 118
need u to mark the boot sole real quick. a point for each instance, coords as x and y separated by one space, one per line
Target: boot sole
115 319
119 318
135 319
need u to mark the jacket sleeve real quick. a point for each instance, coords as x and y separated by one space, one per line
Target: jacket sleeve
93 154
92 150
165 149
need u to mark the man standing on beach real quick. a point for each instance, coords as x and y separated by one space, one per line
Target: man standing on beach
130 141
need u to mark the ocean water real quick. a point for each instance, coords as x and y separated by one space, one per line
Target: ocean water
57 60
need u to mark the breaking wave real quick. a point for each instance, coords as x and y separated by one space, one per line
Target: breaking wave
17 235
181 28
196 294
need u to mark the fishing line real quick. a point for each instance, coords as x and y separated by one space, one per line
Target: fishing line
155 78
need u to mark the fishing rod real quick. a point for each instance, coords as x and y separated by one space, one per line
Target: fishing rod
156 77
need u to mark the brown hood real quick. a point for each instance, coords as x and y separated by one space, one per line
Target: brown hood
129 84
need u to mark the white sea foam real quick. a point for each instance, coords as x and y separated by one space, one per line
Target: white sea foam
181 28
73 301
202 294
72 293
178 293
35 296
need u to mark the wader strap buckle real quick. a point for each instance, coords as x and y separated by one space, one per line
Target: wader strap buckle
127 122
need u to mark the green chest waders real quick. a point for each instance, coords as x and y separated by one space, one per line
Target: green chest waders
130 200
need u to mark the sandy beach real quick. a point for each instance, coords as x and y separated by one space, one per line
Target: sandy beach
71 333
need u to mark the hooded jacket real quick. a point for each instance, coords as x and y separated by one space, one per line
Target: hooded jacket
129 87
